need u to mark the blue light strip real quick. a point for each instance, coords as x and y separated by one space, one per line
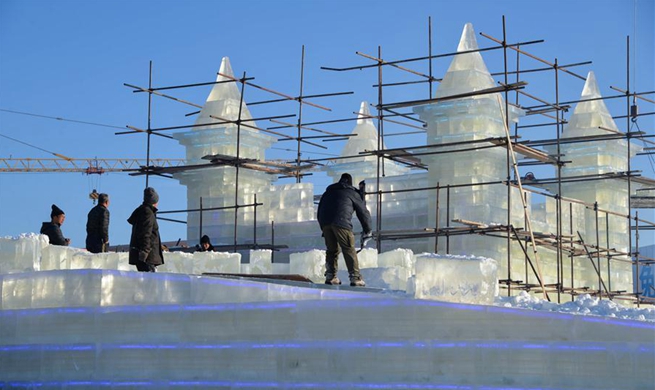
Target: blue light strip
268 385
646 348
356 301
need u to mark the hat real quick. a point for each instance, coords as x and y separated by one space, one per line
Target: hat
347 179
204 239
56 211
103 198
150 196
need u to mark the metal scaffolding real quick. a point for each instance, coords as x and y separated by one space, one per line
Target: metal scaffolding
566 243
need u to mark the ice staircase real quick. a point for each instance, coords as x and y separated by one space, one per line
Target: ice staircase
91 328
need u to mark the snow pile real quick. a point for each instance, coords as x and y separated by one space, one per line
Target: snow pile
583 305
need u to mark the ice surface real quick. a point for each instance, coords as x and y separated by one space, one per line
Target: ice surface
456 279
22 253
401 258
274 335
309 264
260 261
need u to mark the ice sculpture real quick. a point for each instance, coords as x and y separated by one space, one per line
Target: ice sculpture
591 118
465 279
478 117
215 134
364 138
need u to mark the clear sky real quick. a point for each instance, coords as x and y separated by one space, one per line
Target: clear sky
69 59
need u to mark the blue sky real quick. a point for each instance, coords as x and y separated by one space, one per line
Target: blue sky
69 59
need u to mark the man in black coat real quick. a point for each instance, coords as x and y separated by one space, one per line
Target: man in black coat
145 243
335 211
52 229
97 226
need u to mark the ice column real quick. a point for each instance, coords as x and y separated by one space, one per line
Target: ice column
591 118
463 120
286 204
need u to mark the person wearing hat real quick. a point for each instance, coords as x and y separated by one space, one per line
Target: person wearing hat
52 229
335 212
205 245
145 244
97 226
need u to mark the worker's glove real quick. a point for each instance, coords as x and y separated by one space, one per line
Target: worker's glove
366 237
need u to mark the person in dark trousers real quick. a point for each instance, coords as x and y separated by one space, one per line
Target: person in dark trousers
335 211
97 226
52 229
145 244
205 245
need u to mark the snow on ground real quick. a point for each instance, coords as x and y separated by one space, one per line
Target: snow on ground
583 305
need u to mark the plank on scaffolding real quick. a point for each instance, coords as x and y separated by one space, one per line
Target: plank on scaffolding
527 151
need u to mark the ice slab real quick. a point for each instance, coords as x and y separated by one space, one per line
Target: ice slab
21 253
310 264
260 261
462 279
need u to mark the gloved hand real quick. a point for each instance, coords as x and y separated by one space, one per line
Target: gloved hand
366 237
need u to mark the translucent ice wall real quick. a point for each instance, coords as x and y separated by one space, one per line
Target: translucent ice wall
591 118
217 186
461 120
96 328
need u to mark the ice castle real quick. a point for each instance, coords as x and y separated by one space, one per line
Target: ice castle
71 319
452 124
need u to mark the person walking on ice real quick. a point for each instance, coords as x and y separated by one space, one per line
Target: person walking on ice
145 243
335 211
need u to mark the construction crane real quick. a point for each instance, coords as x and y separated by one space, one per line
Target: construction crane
89 166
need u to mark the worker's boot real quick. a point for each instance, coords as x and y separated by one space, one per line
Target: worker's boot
332 279
357 281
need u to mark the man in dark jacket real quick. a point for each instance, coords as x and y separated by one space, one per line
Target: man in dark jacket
52 229
335 211
145 243
97 226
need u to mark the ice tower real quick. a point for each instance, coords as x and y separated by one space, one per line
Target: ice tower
364 138
591 118
464 120
217 185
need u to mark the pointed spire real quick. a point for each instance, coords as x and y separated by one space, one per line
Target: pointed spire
467 41
224 90
589 117
364 115
467 71
223 100
365 134
590 89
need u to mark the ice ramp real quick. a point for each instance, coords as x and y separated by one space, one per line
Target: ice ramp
117 329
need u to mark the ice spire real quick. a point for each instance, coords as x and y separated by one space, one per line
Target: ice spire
467 71
588 116
364 138
223 100
365 135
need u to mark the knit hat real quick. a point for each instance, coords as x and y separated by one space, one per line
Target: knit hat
56 211
205 239
150 196
102 198
346 178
